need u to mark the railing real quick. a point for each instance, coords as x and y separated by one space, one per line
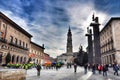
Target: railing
16 45
13 44
3 40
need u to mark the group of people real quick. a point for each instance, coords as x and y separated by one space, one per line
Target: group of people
101 68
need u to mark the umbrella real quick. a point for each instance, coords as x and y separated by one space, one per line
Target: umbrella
48 62
54 63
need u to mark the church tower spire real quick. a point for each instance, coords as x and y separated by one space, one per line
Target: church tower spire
69 41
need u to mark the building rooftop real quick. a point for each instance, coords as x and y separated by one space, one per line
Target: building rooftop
37 45
113 18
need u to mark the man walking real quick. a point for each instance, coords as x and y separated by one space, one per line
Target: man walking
105 69
38 69
115 68
85 68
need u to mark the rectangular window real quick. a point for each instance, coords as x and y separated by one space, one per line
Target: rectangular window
23 44
11 39
20 42
113 55
15 40
1 35
4 26
26 45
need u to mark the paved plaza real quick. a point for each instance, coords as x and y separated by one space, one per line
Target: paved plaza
68 74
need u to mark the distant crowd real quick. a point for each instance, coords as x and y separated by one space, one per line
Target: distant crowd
102 68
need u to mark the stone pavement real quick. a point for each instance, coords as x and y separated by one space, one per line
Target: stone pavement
68 74
61 74
110 76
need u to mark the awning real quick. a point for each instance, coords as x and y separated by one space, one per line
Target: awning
32 55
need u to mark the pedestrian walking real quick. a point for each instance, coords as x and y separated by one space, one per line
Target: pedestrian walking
89 66
57 66
115 68
38 69
100 67
105 69
85 68
75 67
93 68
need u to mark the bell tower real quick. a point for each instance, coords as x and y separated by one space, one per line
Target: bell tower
69 42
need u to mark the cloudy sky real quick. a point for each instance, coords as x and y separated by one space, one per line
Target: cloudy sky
48 20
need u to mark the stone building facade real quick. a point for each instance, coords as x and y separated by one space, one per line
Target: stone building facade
37 52
16 41
13 40
110 41
63 58
46 58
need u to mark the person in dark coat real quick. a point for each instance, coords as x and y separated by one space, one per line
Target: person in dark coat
93 68
105 69
85 68
38 69
115 68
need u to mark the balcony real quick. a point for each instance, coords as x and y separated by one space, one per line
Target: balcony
18 46
3 40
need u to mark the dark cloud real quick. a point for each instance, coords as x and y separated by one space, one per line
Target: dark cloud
108 6
11 5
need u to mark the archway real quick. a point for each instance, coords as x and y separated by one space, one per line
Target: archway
8 58
37 61
17 59
21 59
24 59
13 58
0 58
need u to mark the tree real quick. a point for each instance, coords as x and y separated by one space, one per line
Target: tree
8 58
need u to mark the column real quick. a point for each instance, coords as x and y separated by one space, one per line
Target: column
96 33
90 46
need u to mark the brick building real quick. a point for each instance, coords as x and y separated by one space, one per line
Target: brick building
16 41
36 52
